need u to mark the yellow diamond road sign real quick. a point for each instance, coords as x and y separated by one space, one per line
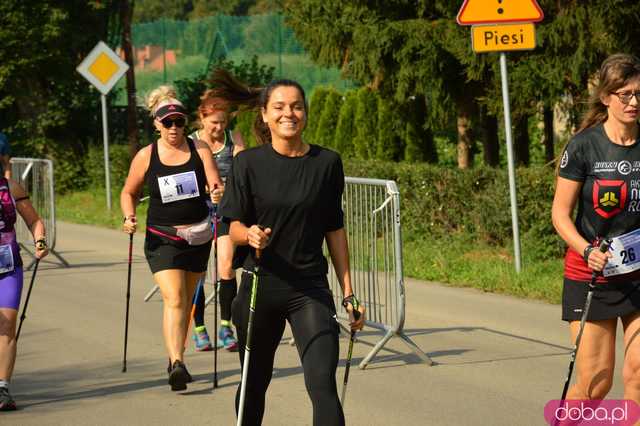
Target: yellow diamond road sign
499 12
502 38
103 68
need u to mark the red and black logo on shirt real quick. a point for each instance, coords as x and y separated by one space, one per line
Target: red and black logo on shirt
609 197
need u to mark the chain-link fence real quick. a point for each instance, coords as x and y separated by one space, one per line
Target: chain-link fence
167 50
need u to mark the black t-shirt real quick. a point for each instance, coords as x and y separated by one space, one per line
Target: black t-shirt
609 202
299 198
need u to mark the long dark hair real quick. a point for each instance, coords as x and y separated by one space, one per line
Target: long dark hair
247 98
616 71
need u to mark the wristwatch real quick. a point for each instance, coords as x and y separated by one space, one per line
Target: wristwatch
40 244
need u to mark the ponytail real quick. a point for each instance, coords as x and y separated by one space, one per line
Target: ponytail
247 98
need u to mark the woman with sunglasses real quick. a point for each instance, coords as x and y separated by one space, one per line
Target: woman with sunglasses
284 199
600 172
177 172
225 144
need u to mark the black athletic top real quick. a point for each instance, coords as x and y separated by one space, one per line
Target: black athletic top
224 156
182 186
609 202
299 198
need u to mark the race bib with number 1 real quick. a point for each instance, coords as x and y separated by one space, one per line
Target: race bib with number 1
180 186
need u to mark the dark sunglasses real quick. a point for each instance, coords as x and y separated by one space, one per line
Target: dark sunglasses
168 123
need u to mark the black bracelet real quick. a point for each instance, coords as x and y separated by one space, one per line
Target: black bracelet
351 299
587 251
40 244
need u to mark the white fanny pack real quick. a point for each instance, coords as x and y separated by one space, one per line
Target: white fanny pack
198 234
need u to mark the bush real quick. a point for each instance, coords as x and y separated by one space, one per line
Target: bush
315 111
441 203
366 123
345 129
419 144
118 165
387 140
326 129
244 124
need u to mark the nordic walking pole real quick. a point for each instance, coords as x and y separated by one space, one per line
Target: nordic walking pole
603 247
193 309
23 316
247 348
356 316
126 321
215 296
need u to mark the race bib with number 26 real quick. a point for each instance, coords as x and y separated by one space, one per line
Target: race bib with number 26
626 254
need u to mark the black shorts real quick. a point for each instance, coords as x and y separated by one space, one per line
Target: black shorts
609 301
162 254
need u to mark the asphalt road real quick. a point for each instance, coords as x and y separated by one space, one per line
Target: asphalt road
498 359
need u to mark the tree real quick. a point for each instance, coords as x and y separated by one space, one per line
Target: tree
406 48
401 49
418 139
366 123
326 129
45 105
151 10
315 110
345 129
387 141
126 11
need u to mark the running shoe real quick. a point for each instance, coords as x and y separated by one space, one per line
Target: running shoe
6 401
189 378
179 376
226 339
201 339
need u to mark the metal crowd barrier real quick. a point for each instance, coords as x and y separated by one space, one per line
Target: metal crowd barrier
36 177
372 222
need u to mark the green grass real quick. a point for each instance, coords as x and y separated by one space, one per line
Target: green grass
457 262
90 207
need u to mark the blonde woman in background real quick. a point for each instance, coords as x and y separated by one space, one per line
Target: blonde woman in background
178 173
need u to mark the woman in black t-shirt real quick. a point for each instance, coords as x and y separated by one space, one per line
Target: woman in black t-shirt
284 198
600 172
178 173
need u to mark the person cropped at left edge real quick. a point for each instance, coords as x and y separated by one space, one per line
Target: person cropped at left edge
13 199
5 156
177 172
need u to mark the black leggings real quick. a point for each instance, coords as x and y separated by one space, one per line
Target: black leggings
309 308
227 292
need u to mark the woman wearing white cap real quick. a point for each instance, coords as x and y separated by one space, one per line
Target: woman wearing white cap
178 173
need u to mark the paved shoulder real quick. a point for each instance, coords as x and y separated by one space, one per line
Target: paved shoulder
498 359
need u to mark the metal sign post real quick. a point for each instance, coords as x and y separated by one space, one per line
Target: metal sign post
103 68
105 143
515 31
510 161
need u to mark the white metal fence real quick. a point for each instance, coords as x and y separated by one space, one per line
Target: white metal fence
36 176
372 222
